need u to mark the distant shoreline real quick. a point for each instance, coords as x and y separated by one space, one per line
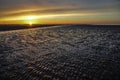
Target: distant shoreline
9 27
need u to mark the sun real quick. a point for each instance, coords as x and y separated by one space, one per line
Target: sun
31 20
30 23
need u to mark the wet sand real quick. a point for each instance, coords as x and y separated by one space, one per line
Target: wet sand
60 53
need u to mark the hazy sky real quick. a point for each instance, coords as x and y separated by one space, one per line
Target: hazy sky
60 11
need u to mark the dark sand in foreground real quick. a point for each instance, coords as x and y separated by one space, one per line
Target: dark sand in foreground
60 53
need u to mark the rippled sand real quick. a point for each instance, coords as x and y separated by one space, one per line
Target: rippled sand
60 53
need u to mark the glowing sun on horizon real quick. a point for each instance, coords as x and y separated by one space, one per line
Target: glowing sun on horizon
31 20
30 23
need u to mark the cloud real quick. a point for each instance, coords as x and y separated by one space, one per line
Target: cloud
11 8
14 4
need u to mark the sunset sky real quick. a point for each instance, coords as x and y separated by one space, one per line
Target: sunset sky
59 12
